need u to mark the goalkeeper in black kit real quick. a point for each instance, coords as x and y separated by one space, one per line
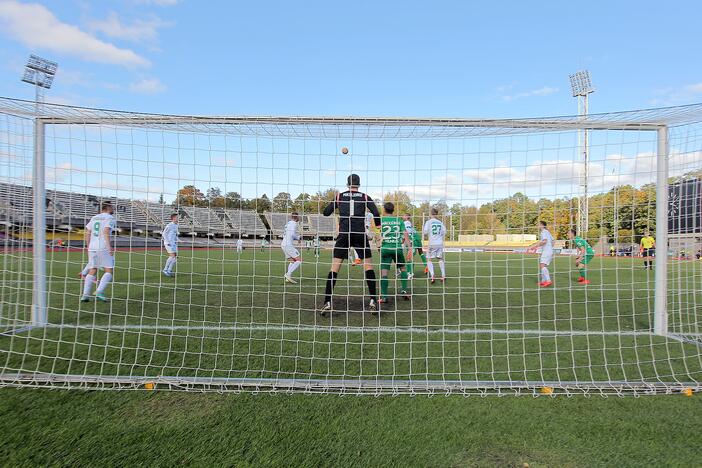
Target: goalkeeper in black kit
352 206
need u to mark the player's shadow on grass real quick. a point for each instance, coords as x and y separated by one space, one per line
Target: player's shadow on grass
353 311
356 304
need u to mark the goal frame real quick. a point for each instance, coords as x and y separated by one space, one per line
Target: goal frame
39 318
39 298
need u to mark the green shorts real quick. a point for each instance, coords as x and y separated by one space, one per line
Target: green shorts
417 243
387 256
587 259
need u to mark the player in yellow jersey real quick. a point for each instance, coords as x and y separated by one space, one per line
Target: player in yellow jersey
647 249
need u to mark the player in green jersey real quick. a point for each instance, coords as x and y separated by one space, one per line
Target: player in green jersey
393 236
414 246
585 254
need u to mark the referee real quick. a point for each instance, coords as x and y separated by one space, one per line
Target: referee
647 249
352 206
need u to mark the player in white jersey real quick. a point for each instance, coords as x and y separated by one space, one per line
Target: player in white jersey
239 245
290 235
317 246
100 251
368 222
436 231
546 244
170 243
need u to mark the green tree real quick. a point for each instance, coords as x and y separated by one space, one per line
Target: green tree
261 204
518 213
488 222
282 202
402 201
303 204
190 196
214 197
321 199
233 200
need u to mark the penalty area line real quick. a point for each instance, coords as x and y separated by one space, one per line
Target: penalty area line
369 329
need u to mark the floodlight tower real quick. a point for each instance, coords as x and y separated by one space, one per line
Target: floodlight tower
581 86
40 73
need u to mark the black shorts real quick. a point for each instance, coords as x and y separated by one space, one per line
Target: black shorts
648 252
355 240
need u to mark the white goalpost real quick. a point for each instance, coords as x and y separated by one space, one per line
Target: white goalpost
615 315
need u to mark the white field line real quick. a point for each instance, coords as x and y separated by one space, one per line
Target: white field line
369 329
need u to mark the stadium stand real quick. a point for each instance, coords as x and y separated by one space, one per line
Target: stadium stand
277 222
129 216
76 209
241 223
307 227
324 226
475 240
205 221
513 240
68 210
158 213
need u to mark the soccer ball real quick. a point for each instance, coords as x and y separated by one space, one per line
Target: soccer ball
345 150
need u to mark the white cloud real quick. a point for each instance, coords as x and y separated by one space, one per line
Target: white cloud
219 162
449 187
157 2
539 92
5 156
36 27
61 173
137 31
62 100
683 95
147 86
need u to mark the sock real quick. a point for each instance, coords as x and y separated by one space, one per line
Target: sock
370 279
167 266
403 280
173 263
293 266
545 275
88 284
442 265
384 286
424 259
85 270
583 272
410 267
106 278
430 265
331 280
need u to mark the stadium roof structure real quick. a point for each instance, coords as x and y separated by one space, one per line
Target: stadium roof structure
354 127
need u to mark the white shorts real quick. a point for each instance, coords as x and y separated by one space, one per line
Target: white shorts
290 251
171 249
100 259
435 252
546 257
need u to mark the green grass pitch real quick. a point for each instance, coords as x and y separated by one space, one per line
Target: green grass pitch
230 316
227 315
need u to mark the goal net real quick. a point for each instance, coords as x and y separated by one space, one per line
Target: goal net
605 297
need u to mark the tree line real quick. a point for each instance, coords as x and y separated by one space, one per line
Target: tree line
624 211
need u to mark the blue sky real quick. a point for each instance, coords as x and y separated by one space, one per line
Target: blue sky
409 58
444 58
